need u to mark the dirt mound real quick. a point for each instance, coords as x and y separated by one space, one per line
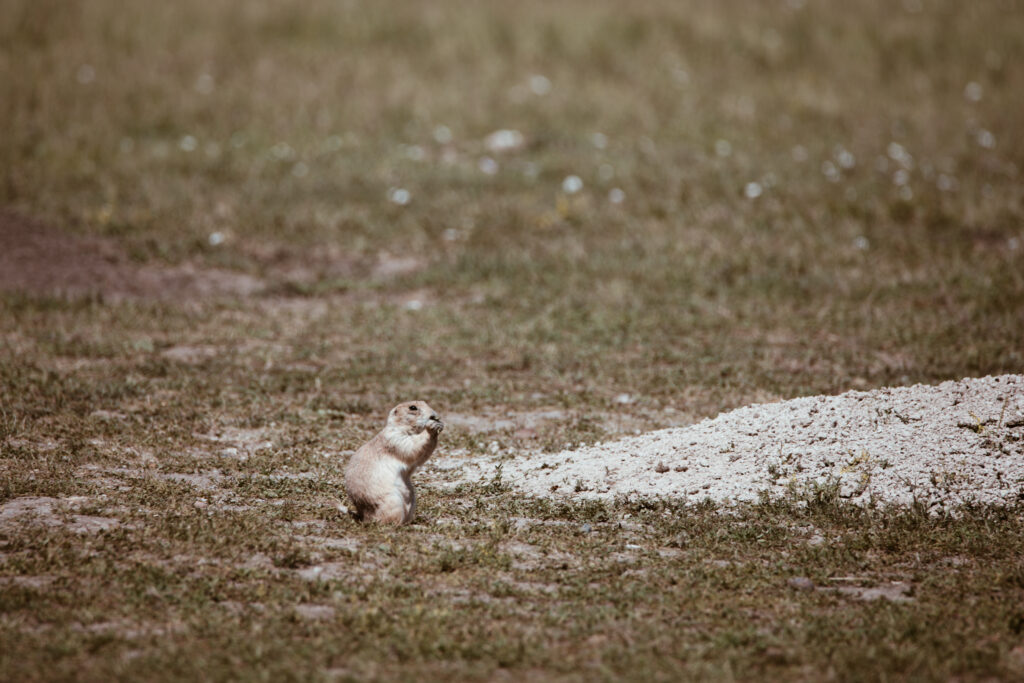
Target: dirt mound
38 259
945 445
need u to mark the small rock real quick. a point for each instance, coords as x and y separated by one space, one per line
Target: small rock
661 468
586 529
801 583
816 539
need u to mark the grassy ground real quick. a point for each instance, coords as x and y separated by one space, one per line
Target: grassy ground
814 197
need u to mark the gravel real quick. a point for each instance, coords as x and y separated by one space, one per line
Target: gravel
945 445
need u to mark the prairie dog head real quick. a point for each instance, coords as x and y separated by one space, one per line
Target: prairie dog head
414 417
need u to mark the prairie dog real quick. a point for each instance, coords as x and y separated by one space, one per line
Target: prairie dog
378 477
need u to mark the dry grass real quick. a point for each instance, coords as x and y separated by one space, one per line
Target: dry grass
816 197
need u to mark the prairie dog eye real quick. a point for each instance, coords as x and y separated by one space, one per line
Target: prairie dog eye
413 409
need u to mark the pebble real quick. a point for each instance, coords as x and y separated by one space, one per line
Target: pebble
801 583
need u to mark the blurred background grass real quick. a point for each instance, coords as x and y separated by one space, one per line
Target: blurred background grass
781 197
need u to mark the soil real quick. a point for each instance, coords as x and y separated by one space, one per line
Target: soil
40 260
52 512
946 445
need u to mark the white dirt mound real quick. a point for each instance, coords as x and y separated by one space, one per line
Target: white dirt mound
944 445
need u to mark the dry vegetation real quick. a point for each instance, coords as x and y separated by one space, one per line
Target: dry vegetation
233 234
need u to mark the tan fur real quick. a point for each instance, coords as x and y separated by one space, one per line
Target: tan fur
378 477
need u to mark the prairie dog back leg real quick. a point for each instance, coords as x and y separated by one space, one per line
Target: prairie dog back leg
391 509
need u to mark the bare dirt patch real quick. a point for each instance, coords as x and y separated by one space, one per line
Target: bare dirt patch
31 582
39 259
314 612
238 442
47 511
130 630
206 481
190 354
893 591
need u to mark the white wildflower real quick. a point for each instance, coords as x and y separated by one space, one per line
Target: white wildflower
504 140
540 85
204 84
399 196
442 135
487 166
86 74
